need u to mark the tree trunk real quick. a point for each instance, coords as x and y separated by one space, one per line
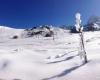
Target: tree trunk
82 48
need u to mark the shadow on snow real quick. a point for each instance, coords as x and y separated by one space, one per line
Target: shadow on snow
68 58
65 72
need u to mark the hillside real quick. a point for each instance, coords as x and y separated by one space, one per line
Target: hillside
43 58
7 32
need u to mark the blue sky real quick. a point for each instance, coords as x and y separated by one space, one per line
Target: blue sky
28 13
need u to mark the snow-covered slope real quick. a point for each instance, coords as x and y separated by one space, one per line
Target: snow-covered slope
47 59
7 32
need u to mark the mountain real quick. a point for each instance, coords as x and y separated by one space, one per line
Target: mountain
41 31
44 31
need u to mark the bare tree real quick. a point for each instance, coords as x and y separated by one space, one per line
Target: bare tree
79 28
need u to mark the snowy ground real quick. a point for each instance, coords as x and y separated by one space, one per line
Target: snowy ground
47 59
